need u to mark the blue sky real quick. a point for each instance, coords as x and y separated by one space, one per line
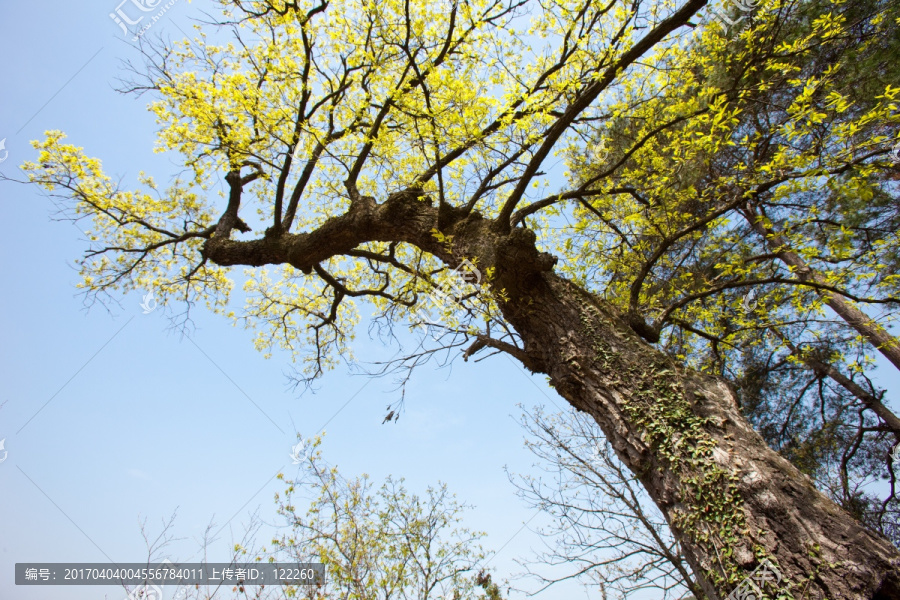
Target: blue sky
110 418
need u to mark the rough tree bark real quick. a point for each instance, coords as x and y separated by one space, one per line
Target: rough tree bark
648 406
730 499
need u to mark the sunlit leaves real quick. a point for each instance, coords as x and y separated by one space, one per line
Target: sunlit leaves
380 542
729 134
149 239
293 101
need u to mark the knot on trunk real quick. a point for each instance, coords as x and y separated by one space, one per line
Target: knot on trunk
641 327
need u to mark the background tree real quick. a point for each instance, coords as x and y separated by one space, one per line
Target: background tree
824 430
605 531
380 544
375 543
422 135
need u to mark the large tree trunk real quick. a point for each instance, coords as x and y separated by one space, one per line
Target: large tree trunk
731 500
